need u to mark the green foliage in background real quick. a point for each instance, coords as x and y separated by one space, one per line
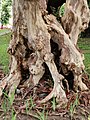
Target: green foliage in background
5 11
62 10
59 12
88 3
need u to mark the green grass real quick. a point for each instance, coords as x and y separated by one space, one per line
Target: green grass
73 106
7 105
2 31
4 57
84 44
87 62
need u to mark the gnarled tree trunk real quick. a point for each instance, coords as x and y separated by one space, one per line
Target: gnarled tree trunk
34 32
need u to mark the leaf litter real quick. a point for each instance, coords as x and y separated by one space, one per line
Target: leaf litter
26 106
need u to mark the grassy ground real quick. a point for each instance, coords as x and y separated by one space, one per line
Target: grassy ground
84 45
3 31
4 57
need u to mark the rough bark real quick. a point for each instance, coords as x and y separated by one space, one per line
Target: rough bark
30 47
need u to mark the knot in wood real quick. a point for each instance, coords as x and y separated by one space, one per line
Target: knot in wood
36 68
48 57
78 71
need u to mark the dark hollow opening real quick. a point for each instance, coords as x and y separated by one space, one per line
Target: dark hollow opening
27 50
70 79
45 84
57 53
25 74
55 4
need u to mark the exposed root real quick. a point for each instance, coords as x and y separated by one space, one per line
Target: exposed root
57 91
3 83
78 84
70 56
81 85
13 83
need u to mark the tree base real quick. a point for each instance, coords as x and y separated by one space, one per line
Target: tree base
31 47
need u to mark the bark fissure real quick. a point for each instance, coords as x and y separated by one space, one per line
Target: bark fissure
38 39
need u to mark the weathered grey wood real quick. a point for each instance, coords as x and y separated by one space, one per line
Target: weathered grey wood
30 46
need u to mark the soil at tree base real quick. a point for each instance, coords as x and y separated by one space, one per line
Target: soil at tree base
81 111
